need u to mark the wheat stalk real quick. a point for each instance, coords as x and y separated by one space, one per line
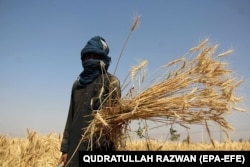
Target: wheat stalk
200 91
133 27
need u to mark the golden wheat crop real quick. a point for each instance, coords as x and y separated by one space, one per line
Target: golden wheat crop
155 145
43 150
34 150
198 88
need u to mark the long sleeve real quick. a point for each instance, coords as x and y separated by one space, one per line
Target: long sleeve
117 134
66 133
115 90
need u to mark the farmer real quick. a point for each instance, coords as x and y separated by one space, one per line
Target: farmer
94 88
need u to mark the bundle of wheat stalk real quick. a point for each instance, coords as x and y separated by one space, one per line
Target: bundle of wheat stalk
194 89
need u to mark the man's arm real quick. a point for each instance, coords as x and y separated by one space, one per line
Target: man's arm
115 96
65 140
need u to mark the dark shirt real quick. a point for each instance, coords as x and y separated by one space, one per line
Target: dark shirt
83 101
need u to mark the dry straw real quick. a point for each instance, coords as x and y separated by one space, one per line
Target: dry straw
34 150
43 150
195 89
133 27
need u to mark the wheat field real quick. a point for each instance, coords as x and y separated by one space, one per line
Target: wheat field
198 90
43 150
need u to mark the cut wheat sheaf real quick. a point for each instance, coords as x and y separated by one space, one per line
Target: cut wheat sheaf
195 89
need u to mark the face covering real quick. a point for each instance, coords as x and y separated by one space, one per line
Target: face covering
92 69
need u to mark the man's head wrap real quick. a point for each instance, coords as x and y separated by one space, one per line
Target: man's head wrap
96 45
92 67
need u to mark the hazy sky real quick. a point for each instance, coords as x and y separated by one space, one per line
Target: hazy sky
40 44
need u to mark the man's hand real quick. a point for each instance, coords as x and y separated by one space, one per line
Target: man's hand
63 159
116 109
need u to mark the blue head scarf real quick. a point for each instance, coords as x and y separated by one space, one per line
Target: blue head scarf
92 67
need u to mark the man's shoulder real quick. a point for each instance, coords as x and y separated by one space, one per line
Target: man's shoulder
113 77
75 84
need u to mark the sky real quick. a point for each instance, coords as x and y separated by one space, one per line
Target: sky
40 44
